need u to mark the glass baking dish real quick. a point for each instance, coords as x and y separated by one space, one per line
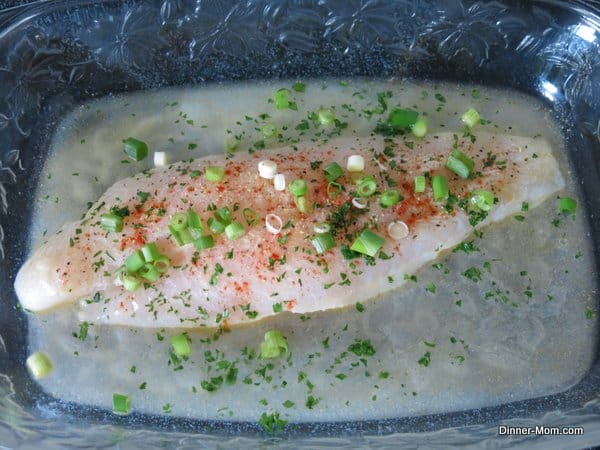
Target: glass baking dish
57 55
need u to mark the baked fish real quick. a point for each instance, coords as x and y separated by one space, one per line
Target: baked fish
219 241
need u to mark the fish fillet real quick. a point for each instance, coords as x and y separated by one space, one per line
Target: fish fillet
260 273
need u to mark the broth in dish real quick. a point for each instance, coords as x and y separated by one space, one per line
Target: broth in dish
481 324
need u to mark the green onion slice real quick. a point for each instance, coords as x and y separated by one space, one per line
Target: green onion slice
215 173
111 222
323 242
321 227
298 187
471 117
131 282
162 263
273 345
135 149
420 182
333 171
567 204
268 130
281 99
121 403
234 230
186 236
302 204
390 198
273 223
223 215
150 252
181 345
440 188
484 200
460 164
333 189
250 216
366 186
215 225
175 235
326 116
401 119
179 221
135 261
39 364
204 242
193 220
419 129
367 243
149 272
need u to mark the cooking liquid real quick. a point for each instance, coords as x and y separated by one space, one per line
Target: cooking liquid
440 343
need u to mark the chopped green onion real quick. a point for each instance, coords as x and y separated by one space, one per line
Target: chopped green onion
367 243
402 118
484 200
186 236
273 223
333 171
323 242
179 221
333 189
149 272
111 222
267 169
204 242
273 344
193 220
302 204
39 365
281 99
135 149
215 225
298 86
160 159
420 182
150 252
440 187
419 129
298 187
390 198
268 130
321 227
131 282
223 215
234 230
181 345
121 403
326 116
250 216
175 235
397 230
214 173
366 186
356 163
567 204
471 117
360 202
162 263
279 182
135 261
460 164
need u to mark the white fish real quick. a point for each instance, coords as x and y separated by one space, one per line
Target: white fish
261 273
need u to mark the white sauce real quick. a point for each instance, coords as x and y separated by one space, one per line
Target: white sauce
482 352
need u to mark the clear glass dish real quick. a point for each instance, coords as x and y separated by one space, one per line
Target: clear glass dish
56 55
